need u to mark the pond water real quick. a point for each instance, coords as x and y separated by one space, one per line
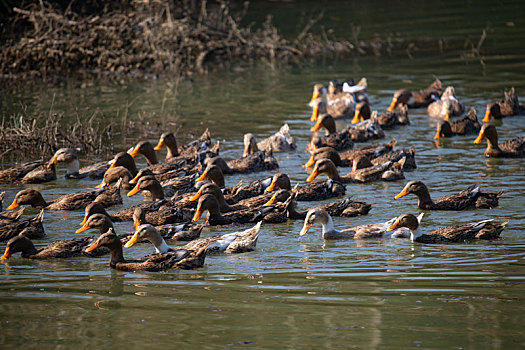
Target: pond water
296 292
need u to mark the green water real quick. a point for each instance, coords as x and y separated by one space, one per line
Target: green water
293 292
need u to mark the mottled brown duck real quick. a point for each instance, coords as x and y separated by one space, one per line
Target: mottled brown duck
470 198
337 140
447 106
69 158
178 259
387 120
509 106
33 228
416 99
486 229
316 191
467 125
174 232
514 148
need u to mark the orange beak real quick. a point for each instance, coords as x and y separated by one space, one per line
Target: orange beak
437 135
357 117
102 184
486 119
272 200
315 114
7 254
135 180
198 214
159 145
196 196
85 220
83 228
478 139
310 163
447 116
112 165
313 175
204 176
314 96
272 186
402 194
92 247
305 228
54 160
392 105
394 226
132 241
134 191
354 167
13 205
317 126
135 152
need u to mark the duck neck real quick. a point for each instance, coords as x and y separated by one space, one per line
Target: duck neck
328 228
173 150
492 146
160 244
116 255
223 205
30 251
424 199
73 167
415 234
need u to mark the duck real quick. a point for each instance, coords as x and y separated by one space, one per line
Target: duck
150 184
113 175
33 228
387 120
95 208
178 259
147 150
316 191
328 168
99 221
345 159
340 141
281 141
8 217
163 178
214 174
514 148
337 104
258 161
16 173
69 157
169 141
174 232
467 125
365 131
416 99
470 198
41 174
209 203
224 206
344 207
125 160
380 230
447 106
235 242
66 248
485 229
509 106
72 201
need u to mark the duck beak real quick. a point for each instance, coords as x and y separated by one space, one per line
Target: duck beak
13 205
134 191
394 226
437 135
357 117
132 241
136 224
354 167
478 139
159 145
313 175
83 228
315 95
54 160
196 196
315 114
7 254
305 228
272 186
92 247
85 220
198 214
272 200
204 176
134 180
310 163
402 193
317 126
135 152
392 105
102 184
112 165
447 116
486 119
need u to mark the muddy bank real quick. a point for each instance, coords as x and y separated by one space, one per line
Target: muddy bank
148 39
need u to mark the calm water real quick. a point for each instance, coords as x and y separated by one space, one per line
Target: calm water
299 292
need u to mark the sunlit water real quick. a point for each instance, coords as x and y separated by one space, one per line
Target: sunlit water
292 292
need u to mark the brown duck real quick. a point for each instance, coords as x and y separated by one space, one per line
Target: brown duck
416 99
179 259
471 198
69 158
387 120
33 228
174 232
467 125
509 106
486 229
319 190
514 148
337 140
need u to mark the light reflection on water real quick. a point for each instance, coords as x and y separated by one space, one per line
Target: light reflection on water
292 292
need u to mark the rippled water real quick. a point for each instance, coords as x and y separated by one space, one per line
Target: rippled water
294 292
